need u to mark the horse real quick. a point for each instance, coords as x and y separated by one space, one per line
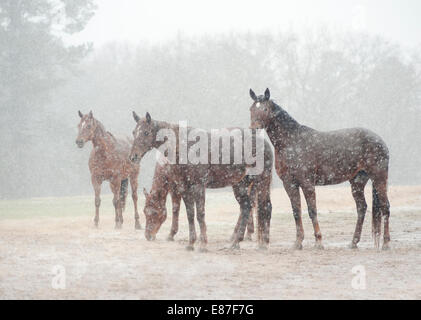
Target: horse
191 181
155 205
305 158
109 162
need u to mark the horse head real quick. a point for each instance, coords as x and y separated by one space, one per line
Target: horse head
155 212
86 128
144 136
262 110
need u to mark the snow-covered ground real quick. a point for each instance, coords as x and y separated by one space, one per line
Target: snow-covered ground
40 236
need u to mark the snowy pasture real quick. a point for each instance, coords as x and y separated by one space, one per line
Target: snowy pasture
40 237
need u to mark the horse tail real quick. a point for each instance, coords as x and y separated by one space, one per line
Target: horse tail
123 192
376 228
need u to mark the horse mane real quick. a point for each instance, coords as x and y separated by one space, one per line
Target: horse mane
111 135
281 116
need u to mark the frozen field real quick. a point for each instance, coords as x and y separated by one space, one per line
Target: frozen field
38 234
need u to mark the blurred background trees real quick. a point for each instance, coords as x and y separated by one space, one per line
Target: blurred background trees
34 62
324 79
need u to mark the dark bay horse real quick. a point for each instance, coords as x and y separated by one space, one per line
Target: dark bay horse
109 161
155 205
191 181
305 158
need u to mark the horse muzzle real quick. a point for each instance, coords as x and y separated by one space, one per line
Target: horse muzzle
80 143
134 158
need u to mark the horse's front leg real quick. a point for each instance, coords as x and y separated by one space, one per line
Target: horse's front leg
293 193
189 203
310 196
97 188
115 186
176 200
200 195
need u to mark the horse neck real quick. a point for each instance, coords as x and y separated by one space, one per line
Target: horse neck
160 187
159 125
100 140
282 129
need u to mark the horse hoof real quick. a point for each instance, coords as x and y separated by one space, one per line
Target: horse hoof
235 246
203 250
352 246
170 238
386 247
118 226
137 226
297 246
319 246
189 248
262 247
248 237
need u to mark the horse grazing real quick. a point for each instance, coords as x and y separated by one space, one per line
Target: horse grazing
155 205
191 181
306 158
109 160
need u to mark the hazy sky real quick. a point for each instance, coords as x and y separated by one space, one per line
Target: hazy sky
159 20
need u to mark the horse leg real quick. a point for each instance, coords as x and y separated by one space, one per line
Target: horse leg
176 200
115 186
237 226
200 195
381 202
189 203
309 191
264 212
293 193
242 197
97 188
134 185
357 186
253 201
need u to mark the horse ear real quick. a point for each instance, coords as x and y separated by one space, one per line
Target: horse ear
136 117
148 117
253 95
90 114
80 114
267 94
145 192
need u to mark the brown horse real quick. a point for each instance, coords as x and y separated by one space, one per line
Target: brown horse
155 205
305 157
192 179
109 161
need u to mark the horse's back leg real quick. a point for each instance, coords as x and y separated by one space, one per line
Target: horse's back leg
358 184
309 191
176 200
200 195
381 208
253 201
242 197
97 188
188 199
293 193
134 185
